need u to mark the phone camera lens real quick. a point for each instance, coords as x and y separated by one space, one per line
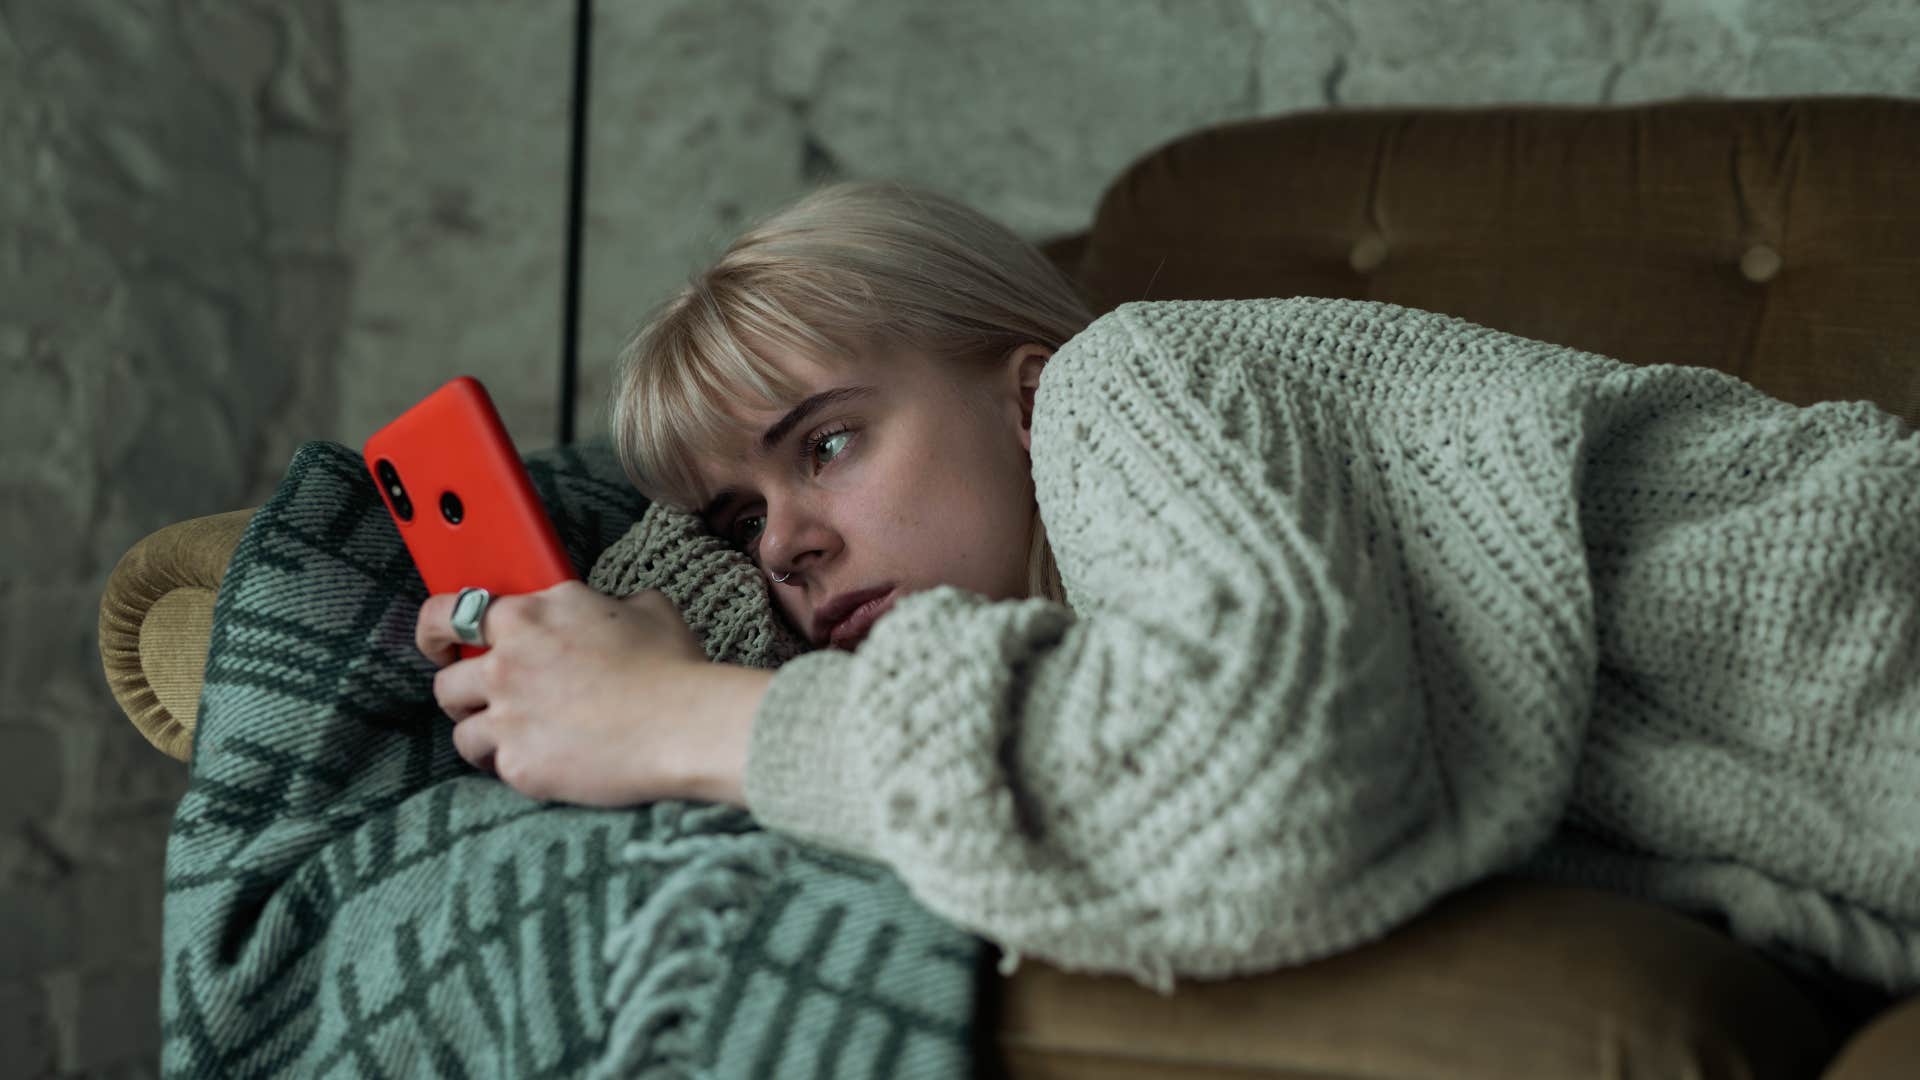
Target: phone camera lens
395 491
451 509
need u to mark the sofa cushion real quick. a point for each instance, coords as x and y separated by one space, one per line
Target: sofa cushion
1508 978
1885 1049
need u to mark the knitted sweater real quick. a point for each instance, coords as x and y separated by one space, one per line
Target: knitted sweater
1368 603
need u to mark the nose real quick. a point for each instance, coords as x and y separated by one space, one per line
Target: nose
792 528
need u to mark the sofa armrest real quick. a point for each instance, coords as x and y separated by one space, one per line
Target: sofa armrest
156 618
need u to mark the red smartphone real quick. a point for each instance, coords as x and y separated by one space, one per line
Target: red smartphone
461 497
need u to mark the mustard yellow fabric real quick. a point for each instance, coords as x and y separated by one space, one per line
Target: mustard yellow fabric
1886 1049
170 578
1508 978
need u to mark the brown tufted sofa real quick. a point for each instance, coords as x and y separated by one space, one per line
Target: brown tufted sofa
1777 240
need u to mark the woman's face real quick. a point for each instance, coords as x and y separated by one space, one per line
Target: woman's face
919 479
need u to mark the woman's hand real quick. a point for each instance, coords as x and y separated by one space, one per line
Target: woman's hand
588 699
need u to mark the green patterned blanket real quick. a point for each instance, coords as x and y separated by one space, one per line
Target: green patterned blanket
347 897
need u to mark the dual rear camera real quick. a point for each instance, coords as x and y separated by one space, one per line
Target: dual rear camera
450 506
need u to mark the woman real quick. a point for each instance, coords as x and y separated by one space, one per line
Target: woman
1354 605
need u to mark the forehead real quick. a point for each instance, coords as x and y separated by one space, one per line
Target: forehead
740 455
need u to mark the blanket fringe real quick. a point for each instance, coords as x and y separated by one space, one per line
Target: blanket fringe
668 958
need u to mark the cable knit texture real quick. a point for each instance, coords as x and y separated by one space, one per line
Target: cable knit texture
1368 603
718 592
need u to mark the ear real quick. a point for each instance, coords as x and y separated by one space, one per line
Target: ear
1024 365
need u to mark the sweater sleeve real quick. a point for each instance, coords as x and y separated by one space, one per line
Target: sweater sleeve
1217 761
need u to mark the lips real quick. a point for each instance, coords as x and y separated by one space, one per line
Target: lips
844 620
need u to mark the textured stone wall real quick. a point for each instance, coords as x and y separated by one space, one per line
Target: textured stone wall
455 207
171 290
227 226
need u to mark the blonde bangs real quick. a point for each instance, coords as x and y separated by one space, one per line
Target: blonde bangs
703 353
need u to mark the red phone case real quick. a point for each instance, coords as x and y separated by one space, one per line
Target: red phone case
461 497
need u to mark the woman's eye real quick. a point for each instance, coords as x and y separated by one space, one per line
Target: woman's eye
810 452
826 439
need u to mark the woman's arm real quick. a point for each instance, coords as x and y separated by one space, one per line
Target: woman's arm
717 771
1223 760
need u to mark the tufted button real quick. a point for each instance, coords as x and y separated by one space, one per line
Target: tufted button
1760 264
1368 252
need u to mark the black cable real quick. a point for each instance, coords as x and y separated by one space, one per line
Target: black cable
576 213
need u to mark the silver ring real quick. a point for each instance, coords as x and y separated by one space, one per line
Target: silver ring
782 580
468 609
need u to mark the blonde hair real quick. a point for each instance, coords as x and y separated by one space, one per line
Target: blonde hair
855 268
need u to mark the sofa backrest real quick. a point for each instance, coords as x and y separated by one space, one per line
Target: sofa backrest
1778 240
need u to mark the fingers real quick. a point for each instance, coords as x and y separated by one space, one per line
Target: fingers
460 689
433 629
476 729
476 740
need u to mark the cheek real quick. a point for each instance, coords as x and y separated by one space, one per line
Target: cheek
930 514
973 523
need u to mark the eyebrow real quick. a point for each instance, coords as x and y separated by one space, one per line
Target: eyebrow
783 427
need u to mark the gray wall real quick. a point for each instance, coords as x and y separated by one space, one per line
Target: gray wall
227 226
172 289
